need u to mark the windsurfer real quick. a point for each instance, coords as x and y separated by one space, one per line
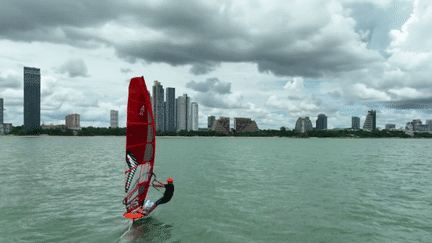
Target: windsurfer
169 192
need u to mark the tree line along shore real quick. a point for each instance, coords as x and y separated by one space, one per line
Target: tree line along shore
282 132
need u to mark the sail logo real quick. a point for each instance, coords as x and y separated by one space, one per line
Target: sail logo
142 110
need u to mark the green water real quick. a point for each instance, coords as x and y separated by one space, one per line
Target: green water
56 189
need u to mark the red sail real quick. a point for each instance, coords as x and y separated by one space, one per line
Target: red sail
140 144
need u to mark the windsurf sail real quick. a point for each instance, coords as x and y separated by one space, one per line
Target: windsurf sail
140 147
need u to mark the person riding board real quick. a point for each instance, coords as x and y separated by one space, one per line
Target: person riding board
169 192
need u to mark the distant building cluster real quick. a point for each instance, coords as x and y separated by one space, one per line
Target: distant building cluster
222 125
417 126
173 114
304 124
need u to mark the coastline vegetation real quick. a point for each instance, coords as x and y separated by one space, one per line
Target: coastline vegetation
282 132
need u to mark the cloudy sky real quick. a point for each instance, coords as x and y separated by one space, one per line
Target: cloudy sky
272 61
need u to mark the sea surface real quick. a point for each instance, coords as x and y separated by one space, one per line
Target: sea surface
70 189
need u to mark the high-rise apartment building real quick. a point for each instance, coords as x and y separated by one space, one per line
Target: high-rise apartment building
73 122
183 113
210 121
194 116
170 110
242 124
32 84
303 125
370 123
321 122
355 123
1 111
114 119
222 125
158 106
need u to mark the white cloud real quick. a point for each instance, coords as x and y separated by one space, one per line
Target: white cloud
294 86
10 79
298 107
364 93
407 93
10 93
415 34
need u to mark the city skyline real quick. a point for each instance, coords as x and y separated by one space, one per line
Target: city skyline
271 61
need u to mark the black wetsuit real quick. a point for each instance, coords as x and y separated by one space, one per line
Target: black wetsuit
169 192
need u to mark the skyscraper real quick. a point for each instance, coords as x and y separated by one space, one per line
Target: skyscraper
355 123
370 123
32 81
113 119
158 105
170 110
183 111
189 115
321 122
1 111
194 116
210 121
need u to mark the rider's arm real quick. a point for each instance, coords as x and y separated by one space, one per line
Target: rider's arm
160 184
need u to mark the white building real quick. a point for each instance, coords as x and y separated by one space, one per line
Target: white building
114 119
183 113
158 106
194 114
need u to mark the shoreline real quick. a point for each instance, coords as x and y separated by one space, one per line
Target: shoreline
161 137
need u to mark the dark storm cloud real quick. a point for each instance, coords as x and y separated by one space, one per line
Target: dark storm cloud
20 17
416 104
10 81
203 68
211 84
75 68
195 33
